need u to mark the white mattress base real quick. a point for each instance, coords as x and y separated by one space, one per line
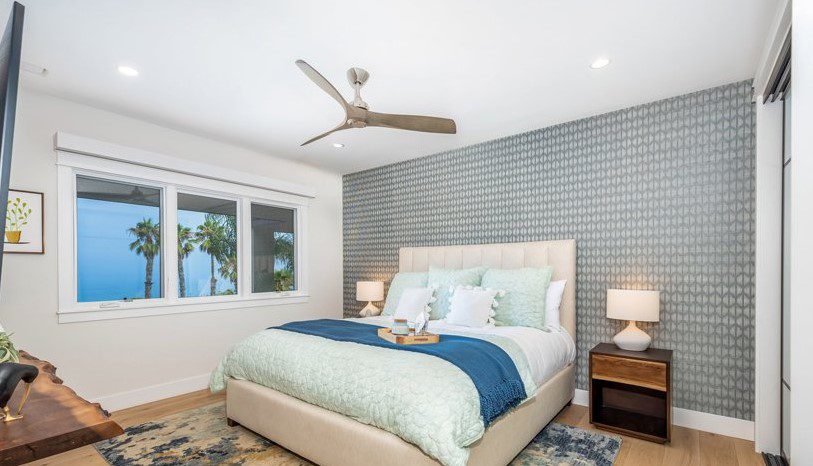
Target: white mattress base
329 438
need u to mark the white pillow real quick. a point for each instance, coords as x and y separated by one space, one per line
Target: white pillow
554 301
414 301
472 306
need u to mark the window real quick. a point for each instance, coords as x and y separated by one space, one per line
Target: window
135 240
118 241
272 249
207 246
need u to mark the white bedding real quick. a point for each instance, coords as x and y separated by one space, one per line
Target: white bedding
547 352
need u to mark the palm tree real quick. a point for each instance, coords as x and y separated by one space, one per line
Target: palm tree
186 244
228 263
210 238
284 254
148 244
284 249
228 269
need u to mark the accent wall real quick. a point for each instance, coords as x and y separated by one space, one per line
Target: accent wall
658 196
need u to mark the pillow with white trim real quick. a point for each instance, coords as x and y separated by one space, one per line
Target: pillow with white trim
414 301
554 301
526 295
446 278
472 306
399 283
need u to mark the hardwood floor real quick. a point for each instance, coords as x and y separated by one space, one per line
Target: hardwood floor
688 447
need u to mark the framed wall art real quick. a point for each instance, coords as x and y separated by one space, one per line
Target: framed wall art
25 217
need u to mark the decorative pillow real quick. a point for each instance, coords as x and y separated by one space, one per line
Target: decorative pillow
414 301
554 300
526 295
472 306
445 278
400 282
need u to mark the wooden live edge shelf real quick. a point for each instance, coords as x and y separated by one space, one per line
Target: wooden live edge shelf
55 419
630 391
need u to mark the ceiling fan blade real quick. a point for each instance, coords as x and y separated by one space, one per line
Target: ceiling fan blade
342 126
425 124
320 81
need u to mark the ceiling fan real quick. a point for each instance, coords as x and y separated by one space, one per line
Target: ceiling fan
357 115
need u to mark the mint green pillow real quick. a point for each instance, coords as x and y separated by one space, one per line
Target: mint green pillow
526 293
400 282
445 278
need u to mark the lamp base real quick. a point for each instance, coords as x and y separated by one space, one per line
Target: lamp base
632 338
370 310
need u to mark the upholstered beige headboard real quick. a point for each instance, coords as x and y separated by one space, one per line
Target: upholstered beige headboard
561 255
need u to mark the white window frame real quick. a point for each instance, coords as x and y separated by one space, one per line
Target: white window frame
141 168
248 244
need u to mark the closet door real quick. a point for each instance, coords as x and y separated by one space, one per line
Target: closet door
786 254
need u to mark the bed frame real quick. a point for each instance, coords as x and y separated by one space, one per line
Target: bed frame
328 438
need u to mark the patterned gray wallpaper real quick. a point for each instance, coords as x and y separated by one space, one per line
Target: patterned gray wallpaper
658 196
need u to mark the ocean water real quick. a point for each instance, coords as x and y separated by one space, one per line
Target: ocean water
106 268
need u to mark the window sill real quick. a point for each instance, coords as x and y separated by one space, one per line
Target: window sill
131 310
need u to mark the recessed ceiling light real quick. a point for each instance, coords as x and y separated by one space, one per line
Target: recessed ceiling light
128 70
600 63
338 145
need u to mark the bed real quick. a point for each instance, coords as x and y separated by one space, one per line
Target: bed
327 437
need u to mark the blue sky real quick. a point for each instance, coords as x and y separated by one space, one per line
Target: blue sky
108 270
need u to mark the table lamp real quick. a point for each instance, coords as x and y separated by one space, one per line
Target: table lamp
369 291
633 305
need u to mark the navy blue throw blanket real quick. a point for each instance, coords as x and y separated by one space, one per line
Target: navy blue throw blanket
490 368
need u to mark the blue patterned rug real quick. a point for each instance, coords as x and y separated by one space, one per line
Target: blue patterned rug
200 437
561 444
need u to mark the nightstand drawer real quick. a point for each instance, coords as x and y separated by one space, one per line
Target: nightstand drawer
629 371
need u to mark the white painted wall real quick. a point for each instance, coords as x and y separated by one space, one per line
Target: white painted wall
801 295
103 360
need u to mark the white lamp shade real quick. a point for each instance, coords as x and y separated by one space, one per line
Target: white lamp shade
369 291
638 305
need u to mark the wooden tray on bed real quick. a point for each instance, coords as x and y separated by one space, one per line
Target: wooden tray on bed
410 339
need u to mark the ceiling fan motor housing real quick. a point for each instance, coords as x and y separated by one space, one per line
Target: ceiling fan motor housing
357 77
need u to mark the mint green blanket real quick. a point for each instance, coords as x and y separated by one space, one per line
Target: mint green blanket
421 398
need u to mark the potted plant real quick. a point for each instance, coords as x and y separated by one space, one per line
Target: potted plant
8 353
17 213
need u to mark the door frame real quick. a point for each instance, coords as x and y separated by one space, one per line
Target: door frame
768 248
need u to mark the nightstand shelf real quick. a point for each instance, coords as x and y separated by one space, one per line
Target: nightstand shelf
630 391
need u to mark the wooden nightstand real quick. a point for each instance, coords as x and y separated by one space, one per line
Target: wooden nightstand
630 391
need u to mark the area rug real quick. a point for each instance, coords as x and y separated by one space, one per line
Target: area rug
200 437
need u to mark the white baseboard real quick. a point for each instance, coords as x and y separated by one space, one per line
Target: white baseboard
152 393
707 422
582 397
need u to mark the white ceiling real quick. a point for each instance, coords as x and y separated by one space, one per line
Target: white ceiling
225 69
